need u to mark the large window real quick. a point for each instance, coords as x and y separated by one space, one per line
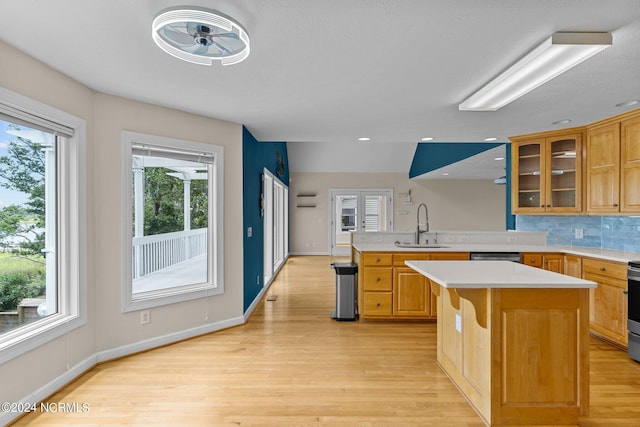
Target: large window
42 254
173 220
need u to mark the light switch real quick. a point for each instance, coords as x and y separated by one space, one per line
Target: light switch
458 323
249 231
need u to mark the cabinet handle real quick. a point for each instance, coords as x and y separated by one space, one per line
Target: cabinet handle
625 292
378 305
602 269
615 205
378 260
377 279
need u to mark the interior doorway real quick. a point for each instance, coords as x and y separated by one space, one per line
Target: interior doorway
358 210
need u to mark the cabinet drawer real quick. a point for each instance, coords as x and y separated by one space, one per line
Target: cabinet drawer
378 279
377 304
614 270
377 259
534 260
399 259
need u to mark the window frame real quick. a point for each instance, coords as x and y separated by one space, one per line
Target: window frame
71 233
215 238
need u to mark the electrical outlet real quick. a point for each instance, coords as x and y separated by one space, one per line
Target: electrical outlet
258 279
249 231
458 323
145 317
512 239
579 233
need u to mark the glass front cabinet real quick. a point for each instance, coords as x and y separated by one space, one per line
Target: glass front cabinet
547 173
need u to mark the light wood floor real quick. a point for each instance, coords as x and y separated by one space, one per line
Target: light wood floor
291 365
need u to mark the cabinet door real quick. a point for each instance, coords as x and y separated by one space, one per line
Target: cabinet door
630 166
553 262
564 173
411 294
608 308
603 171
573 266
528 178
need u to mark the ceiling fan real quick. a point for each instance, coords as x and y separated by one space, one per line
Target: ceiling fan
200 36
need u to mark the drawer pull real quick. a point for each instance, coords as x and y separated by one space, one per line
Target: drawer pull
378 305
378 260
377 279
602 269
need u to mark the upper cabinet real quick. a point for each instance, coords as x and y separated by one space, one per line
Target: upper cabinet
552 171
547 173
613 171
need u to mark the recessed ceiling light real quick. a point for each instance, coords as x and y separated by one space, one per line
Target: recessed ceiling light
561 122
200 36
491 138
499 158
628 103
427 138
364 138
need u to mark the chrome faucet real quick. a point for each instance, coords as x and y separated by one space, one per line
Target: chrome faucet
426 230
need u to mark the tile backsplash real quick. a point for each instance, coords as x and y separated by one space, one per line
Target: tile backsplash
607 232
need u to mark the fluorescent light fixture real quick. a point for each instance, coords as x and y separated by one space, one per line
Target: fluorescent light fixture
491 138
364 138
427 138
554 56
200 36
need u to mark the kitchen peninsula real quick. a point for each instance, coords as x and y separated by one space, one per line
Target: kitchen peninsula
513 338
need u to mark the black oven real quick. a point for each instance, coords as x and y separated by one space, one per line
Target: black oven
633 308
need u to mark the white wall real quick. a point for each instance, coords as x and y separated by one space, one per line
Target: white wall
108 331
453 204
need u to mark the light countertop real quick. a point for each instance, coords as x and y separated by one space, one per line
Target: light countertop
494 274
605 254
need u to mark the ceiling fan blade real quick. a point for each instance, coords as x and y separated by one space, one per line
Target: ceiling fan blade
221 47
228 35
178 36
201 50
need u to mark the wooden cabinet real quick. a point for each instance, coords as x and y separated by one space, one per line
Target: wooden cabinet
547 173
603 168
630 165
547 261
613 165
375 285
388 289
572 266
411 293
607 302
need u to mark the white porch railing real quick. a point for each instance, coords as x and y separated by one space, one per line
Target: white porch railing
154 253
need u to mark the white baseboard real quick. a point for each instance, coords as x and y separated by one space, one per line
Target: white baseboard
74 372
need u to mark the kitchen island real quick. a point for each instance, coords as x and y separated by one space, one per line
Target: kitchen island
513 338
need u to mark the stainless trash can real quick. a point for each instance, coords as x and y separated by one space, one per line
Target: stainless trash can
346 291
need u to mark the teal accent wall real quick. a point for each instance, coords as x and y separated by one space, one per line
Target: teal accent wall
256 156
430 156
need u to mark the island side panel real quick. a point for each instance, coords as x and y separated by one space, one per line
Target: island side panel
464 348
540 356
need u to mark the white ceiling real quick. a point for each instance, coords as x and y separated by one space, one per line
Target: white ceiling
328 72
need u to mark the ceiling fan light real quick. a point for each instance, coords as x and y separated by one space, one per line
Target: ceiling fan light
200 36
557 54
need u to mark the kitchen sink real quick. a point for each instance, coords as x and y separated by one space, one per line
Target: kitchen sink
419 245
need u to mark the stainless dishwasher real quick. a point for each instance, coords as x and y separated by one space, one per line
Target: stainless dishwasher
495 256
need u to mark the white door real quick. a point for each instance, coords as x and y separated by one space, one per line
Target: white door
358 210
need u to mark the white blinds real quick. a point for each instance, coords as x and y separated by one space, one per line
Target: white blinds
15 115
372 208
171 153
